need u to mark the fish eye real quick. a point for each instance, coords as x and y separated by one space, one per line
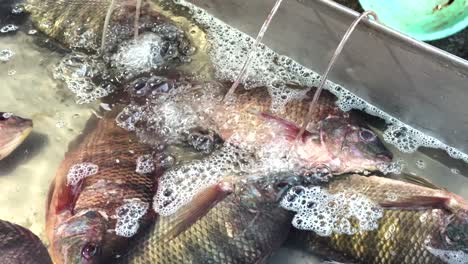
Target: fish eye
366 135
139 85
90 250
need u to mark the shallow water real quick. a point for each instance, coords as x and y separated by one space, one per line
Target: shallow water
29 90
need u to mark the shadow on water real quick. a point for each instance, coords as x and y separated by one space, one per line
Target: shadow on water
26 151
8 16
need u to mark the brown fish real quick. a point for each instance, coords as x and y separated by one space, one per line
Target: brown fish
18 245
246 226
97 199
13 131
420 224
196 112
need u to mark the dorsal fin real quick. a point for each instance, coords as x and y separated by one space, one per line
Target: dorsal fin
419 202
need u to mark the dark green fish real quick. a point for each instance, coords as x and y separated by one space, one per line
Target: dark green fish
243 225
420 224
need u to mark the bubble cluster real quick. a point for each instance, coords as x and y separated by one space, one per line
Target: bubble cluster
228 51
327 214
80 171
128 217
79 73
178 186
6 55
7 115
420 164
145 164
395 167
141 55
8 28
450 256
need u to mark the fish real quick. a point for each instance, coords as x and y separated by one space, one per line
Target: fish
196 112
100 195
14 130
245 226
103 25
420 224
19 245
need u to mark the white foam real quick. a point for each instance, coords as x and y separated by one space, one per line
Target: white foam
6 55
229 49
178 186
327 214
80 171
128 217
449 256
145 164
141 55
395 167
7 115
77 71
8 28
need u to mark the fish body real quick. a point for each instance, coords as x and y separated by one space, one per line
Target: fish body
245 227
13 131
419 225
18 245
80 23
97 199
338 140
253 139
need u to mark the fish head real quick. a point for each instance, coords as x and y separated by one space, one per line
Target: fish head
353 146
80 239
13 131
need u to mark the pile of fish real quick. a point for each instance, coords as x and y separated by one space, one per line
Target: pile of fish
173 173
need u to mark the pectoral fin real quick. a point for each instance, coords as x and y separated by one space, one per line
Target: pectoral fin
290 129
200 205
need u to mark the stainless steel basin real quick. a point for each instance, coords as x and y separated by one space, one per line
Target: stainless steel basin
419 84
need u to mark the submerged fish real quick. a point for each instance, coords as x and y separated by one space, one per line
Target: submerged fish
341 141
419 225
83 24
13 131
246 226
195 114
18 245
100 196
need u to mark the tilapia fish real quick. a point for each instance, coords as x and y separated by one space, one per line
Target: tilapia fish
246 226
419 225
13 131
80 23
18 245
197 114
100 196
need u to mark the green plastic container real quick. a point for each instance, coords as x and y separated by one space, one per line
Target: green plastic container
421 19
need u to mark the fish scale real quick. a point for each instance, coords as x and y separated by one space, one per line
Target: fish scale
115 152
229 233
79 23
